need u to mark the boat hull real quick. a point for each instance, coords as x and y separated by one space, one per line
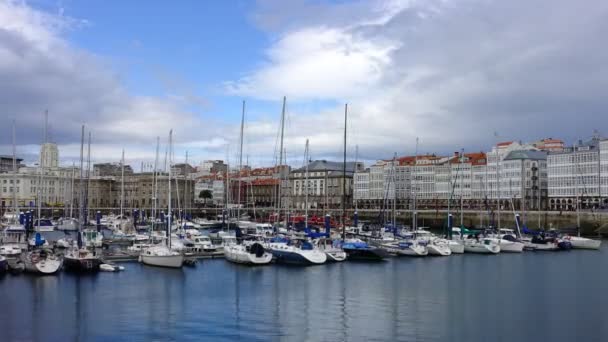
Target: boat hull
42 266
335 256
239 255
81 265
507 246
584 243
481 249
171 261
368 254
456 247
299 257
439 250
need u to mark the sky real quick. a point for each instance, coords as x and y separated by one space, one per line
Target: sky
453 73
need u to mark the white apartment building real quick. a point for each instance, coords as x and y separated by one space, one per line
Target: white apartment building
604 172
578 172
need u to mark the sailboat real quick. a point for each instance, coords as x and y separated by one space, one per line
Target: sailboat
160 255
14 236
245 252
78 257
578 241
40 259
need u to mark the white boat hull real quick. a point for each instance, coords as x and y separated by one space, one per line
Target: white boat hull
414 250
49 266
511 246
239 255
456 247
336 256
439 250
173 261
481 248
584 243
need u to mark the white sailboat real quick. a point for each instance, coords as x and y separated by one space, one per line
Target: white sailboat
78 257
164 255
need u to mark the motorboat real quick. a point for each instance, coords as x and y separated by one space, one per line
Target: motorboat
583 243
92 238
14 235
357 249
456 246
67 224
248 254
43 225
408 245
481 246
203 243
81 259
42 261
111 268
64 243
162 256
332 249
434 245
137 248
296 251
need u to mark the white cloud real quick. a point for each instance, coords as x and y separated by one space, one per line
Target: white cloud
40 70
449 72
318 62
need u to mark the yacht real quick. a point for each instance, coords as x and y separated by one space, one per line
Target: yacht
80 259
408 245
42 261
43 225
297 251
163 256
248 254
332 249
67 224
434 245
481 246
357 249
203 243
583 243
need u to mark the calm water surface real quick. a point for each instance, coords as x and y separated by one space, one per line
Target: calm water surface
519 297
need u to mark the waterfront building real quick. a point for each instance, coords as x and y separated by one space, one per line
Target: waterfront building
6 164
576 172
325 185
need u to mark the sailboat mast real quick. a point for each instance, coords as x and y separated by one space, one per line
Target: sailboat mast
344 175
238 210
461 188
281 159
155 180
86 196
122 184
393 178
306 185
72 190
170 212
498 186
80 187
14 188
414 213
356 161
576 180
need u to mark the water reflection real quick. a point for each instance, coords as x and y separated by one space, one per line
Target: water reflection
463 297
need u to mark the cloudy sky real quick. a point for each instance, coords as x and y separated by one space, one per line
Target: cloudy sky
451 72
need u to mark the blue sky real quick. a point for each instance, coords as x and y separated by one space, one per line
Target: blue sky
448 72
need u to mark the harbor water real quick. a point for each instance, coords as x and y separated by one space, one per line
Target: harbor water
532 296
